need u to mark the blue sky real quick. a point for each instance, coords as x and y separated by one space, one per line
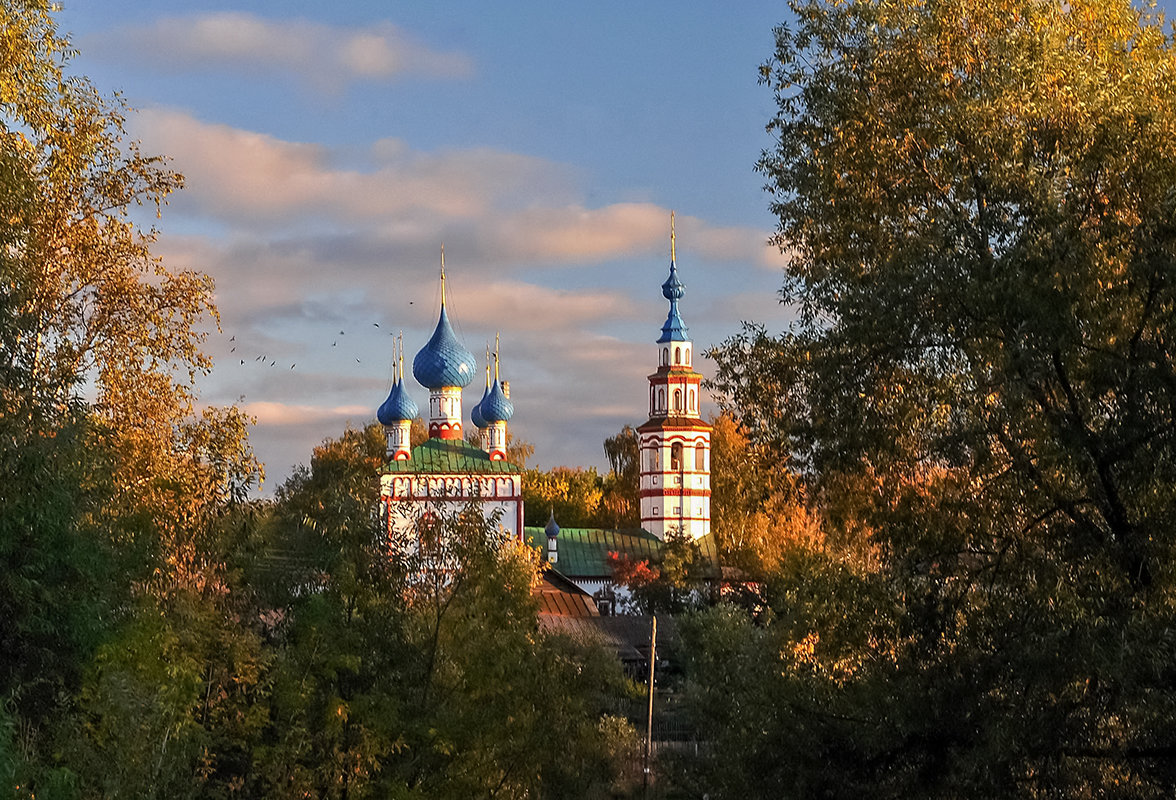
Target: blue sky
330 150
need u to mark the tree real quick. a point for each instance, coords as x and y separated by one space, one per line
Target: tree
113 512
978 203
394 678
622 484
574 495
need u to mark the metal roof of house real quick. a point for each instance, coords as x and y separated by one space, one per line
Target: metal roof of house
559 597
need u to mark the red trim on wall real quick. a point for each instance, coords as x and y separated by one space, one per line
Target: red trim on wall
671 491
450 497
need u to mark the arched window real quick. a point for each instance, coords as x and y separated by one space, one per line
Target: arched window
661 399
665 356
700 459
677 400
691 399
676 456
687 356
652 460
677 355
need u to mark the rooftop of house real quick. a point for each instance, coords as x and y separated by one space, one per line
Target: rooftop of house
559 597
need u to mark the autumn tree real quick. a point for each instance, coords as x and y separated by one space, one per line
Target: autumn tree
112 517
977 199
574 494
621 501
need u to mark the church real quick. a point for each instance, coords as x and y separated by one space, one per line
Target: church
450 472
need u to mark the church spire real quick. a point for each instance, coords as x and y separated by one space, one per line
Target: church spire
675 442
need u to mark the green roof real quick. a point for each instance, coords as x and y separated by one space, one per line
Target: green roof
583 552
450 457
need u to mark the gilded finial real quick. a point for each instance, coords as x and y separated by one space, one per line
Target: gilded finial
487 365
400 354
673 255
496 358
443 273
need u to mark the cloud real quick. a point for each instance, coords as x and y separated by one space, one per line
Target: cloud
327 58
511 210
242 177
527 307
270 413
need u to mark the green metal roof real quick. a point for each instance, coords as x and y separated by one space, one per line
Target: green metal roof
583 552
450 457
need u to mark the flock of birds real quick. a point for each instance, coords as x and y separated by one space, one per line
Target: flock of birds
273 362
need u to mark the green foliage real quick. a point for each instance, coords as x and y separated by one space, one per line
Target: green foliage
575 495
979 391
418 673
621 501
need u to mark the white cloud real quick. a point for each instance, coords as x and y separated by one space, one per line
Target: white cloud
243 177
270 413
326 57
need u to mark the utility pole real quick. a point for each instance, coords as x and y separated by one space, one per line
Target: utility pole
649 712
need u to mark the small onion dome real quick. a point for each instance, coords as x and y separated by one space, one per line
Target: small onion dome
674 329
552 529
476 412
673 289
496 407
443 361
399 407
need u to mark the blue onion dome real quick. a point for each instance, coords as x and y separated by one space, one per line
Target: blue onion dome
673 289
552 529
476 412
399 407
443 361
674 329
496 407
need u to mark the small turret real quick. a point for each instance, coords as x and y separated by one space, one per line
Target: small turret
552 531
398 411
496 409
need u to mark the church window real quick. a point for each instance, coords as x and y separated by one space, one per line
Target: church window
699 459
665 356
677 400
652 460
687 356
691 399
676 456
677 355
661 399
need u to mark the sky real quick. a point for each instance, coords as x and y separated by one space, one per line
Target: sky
330 149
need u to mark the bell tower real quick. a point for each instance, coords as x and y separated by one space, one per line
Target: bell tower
675 442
